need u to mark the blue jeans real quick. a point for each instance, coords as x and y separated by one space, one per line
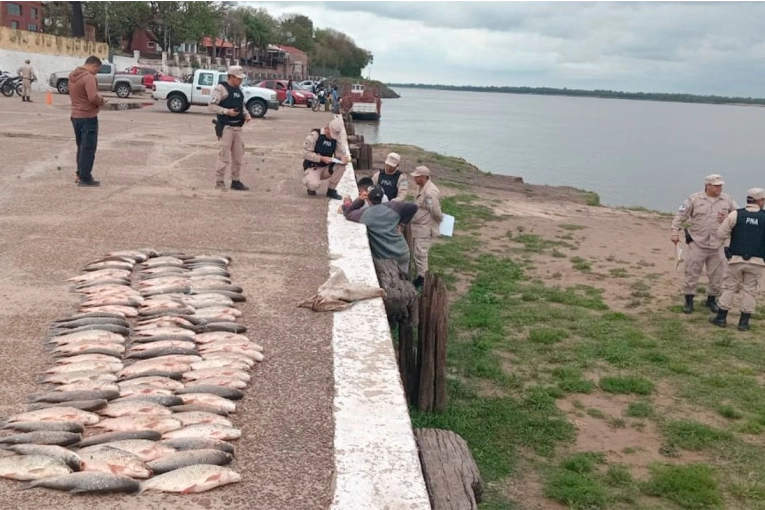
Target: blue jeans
86 135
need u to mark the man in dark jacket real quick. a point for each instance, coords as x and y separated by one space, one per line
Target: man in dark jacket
86 103
382 220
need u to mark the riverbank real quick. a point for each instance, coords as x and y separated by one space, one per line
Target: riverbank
573 375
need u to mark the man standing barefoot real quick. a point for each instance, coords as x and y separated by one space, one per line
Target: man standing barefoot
86 103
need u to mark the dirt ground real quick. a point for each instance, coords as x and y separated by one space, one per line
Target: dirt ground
157 174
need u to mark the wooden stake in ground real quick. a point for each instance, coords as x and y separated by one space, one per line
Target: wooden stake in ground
432 345
451 475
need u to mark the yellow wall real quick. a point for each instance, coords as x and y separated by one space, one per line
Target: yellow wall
36 42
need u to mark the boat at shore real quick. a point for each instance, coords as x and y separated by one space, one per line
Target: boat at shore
362 101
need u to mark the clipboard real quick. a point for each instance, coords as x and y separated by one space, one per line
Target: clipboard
446 228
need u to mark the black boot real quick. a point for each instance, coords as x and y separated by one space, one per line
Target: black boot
720 318
239 185
688 308
743 321
331 193
712 304
29 100
311 192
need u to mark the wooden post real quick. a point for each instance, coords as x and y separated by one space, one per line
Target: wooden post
426 346
451 475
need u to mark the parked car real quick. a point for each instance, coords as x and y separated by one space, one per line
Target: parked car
302 97
122 84
150 75
180 96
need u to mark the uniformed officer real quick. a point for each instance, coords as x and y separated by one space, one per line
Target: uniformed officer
426 221
320 148
392 180
705 211
228 103
27 75
746 230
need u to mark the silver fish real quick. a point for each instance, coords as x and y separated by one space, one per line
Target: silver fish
230 393
134 408
85 366
189 458
229 327
89 481
56 414
198 418
72 377
43 437
88 386
209 400
79 358
208 373
55 426
143 449
225 363
191 479
161 424
163 351
160 344
196 443
65 396
116 461
109 437
153 381
205 431
31 467
59 453
163 400
192 408
85 405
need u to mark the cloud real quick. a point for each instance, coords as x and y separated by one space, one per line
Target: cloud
700 47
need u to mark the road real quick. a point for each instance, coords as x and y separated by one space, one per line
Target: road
157 174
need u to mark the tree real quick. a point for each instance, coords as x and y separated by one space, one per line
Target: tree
260 28
58 19
123 19
174 23
337 50
296 30
78 20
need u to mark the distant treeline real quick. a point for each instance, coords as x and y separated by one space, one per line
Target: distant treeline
612 94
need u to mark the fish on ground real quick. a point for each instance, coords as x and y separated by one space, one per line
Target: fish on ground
108 437
65 455
143 449
44 437
189 458
32 467
113 460
161 424
54 426
205 431
89 481
57 414
191 479
85 405
197 443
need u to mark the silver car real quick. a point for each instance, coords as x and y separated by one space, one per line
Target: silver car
107 78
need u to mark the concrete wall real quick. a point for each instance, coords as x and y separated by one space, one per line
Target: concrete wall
377 464
50 54
34 42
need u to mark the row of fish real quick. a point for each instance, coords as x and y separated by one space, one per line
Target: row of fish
154 361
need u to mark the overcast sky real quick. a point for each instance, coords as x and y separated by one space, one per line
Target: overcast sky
694 47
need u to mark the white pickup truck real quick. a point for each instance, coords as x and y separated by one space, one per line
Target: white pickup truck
181 96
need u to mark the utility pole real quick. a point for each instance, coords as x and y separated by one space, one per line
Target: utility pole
106 32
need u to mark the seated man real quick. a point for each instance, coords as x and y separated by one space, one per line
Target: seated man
382 220
364 184
321 149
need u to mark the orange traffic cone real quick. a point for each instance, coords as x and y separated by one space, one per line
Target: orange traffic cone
49 98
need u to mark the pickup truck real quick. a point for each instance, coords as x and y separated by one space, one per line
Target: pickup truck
108 80
181 96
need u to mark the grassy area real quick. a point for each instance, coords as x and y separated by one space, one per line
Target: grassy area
518 346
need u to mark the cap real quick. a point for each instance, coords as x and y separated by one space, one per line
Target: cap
421 171
714 180
756 194
26 61
393 159
376 195
336 127
237 72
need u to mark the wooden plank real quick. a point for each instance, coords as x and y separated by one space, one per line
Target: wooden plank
426 347
440 334
451 474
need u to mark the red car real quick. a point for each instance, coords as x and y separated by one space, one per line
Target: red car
300 97
149 75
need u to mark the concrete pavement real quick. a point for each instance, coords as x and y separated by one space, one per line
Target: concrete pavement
157 174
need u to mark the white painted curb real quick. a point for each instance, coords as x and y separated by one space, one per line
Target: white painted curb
377 465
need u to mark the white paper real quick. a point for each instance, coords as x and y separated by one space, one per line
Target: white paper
447 226
679 256
337 161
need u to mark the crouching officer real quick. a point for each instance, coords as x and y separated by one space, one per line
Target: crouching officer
746 229
228 103
320 149
705 211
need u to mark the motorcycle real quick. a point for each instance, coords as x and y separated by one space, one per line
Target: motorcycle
321 98
10 85
5 77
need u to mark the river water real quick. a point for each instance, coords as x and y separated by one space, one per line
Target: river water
632 153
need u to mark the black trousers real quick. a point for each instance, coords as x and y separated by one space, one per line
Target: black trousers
86 134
